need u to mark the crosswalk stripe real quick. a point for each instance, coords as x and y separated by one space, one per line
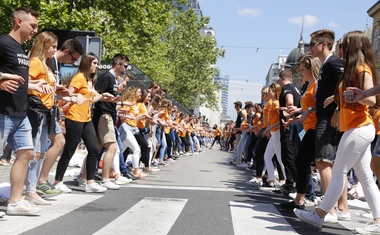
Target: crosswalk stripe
148 216
218 189
258 218
64 204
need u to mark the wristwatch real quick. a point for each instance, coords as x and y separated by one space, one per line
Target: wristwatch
1 75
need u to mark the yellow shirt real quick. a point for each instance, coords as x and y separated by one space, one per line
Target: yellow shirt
37 72
80 113
308 100
357 114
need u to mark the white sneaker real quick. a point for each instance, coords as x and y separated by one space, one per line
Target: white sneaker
309 202
331 218
310 217
345 216
109 185
370 228
292 195
320 199
122 180
23 207
94 188
2 213
256 182
61 186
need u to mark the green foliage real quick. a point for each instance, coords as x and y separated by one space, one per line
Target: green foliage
164 41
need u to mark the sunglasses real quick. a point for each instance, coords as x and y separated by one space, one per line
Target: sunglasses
73 59
314 43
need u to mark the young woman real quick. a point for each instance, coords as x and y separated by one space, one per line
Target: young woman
262 141
144 126
309 70
273 131
359 131
129 133
79 124
42 105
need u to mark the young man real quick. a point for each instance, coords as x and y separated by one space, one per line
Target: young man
104 119
15 127
241 116
326 131
69 52
290 96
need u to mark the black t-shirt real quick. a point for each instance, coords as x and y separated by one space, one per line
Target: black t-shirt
289 89
105 83
328 78
239 120
52 63
14 60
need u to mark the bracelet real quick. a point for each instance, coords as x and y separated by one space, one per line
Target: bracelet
71 99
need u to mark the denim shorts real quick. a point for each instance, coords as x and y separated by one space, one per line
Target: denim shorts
17 131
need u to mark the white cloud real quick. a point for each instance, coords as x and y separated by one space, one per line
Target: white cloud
333 25
309 20
248 12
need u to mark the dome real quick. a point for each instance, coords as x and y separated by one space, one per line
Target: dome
293 56
296 53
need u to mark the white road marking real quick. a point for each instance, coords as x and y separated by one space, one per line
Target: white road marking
64 204
149 216
258 218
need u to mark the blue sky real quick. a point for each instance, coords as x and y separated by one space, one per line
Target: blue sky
273 26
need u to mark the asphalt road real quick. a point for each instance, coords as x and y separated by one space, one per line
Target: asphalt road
202 194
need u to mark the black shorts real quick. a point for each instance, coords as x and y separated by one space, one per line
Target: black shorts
326 142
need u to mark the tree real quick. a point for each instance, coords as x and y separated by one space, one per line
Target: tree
163 41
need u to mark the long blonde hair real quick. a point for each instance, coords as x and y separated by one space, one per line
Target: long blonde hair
42 42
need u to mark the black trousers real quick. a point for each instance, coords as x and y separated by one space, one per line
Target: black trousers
75 131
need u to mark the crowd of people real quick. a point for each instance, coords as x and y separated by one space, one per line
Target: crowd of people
317 136
328 127
127 131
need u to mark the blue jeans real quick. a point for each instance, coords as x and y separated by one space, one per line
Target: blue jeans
163 146
17 131
240 147
40 142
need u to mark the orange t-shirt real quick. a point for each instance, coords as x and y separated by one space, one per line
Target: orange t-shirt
354 116
217 132
80 113
142 110
134 110
308 100
182 133
274 116
266 113
258 123
37 72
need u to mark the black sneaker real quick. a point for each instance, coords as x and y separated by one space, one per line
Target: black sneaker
129 175
97 176
291 205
